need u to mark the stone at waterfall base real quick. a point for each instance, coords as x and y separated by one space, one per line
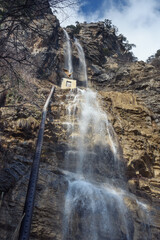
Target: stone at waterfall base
67 83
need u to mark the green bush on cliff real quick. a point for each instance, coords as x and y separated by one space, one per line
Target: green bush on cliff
75 29
155 59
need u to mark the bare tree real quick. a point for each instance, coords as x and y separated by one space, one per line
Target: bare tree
17 18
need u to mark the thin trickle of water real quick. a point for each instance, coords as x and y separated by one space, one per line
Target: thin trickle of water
68 53
82 64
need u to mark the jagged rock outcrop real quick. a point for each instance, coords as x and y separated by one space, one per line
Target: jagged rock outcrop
44 48
128 91
99 41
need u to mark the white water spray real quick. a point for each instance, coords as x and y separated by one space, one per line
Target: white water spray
82 65
68 53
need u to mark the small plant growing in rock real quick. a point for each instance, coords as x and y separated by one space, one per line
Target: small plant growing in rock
106 51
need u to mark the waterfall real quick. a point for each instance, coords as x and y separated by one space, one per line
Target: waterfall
82 64
68 53
92 132
95 202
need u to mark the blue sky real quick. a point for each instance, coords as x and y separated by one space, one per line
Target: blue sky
138 20
90 6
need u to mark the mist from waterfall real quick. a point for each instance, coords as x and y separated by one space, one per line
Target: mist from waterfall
82 63
68 53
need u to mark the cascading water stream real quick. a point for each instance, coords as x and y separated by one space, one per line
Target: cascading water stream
92 201
68 53
95 207
82 64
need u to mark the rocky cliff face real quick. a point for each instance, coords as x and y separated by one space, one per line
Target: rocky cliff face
132 86
128 91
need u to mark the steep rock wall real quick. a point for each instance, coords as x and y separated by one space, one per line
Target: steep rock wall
129 92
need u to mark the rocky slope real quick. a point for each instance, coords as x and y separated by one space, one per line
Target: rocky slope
128 91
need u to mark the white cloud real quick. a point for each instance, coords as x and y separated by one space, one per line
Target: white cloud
138 20
69 13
